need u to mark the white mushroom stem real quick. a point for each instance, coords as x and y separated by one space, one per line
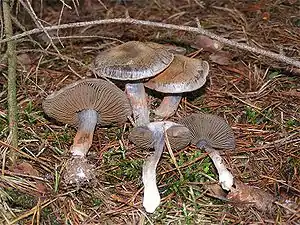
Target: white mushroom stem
168 106
138 100
151 199
84 136
225 177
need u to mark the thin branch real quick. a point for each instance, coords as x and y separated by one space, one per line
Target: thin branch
11 81
37 22
198 30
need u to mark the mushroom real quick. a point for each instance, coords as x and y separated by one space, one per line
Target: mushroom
132 62
152 136
84 104
183 75
212 132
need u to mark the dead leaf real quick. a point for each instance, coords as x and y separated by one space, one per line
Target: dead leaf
24 60
249 196
41 188
216 191
221 58
207 44
25 168
176 49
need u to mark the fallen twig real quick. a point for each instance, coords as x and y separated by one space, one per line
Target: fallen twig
198 30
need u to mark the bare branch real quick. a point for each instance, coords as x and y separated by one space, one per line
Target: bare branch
198 30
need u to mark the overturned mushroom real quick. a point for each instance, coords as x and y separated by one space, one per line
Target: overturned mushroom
152 136
211 132
132 62
84 104
183 75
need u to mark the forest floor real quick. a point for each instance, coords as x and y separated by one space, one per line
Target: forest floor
259 97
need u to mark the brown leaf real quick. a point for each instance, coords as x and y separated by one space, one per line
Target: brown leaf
250 196
25 168
24 59
216 191
207 44
221 58
41 187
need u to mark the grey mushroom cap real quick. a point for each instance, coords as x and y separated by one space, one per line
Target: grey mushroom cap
132 60
104 97
209 130
179 137
142 136
183 75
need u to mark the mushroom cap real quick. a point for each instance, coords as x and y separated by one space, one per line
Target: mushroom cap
142 136
209 130
133 60
104 97
178 135
183 75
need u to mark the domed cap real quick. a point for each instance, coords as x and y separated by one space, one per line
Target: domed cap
183 75
211 130
133 60
104 97
142 136
178 136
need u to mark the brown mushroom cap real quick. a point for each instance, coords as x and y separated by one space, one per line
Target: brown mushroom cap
133 60
211 130
178 135
104 97
183 75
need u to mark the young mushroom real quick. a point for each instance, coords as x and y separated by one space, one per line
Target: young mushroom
212 132
133 62
152 136
183 75
84 104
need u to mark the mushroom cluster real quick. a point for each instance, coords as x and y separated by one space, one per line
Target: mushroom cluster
155 66
89 102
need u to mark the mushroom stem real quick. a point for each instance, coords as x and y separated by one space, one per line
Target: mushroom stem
84 136
168 106
151 199
225 177
138 100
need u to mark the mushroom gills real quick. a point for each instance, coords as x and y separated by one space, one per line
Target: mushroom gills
168 106
84 137
133 62
138 101
211 132
183 75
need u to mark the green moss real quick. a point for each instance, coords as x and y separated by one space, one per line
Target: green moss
48 215
20 200
129 169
